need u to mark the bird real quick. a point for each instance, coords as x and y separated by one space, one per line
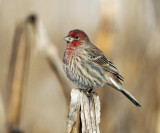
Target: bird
88 68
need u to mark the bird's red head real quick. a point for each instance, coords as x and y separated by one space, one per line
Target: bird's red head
75 38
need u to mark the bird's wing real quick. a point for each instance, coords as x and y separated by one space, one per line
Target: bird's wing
95 55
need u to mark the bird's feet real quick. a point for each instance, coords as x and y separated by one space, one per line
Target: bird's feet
87 91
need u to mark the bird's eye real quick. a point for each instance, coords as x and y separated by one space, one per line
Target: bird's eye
76 37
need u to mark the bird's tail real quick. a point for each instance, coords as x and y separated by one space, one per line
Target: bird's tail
130 97
119 87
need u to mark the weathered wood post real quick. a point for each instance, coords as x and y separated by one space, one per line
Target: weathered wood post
84 112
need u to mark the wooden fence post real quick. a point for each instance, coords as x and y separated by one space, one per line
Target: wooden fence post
84 113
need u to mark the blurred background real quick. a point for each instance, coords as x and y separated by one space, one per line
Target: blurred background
35 93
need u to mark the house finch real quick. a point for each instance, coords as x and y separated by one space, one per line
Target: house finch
87 66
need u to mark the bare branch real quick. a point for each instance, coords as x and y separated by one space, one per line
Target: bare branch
19 65
49 49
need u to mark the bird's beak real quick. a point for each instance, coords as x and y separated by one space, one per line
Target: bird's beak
68 39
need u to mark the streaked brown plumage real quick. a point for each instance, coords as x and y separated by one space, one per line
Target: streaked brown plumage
87 67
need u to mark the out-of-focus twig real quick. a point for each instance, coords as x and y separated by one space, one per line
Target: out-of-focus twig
45 46
84 114
19 65
17 76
